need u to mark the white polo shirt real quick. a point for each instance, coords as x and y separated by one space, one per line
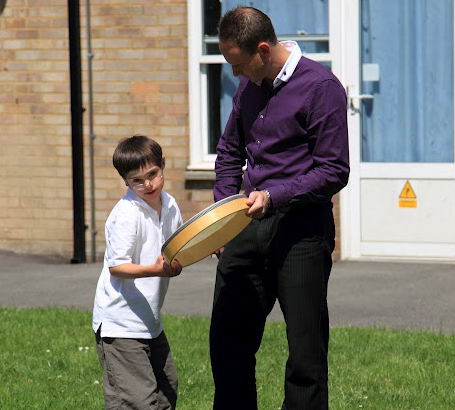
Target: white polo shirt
130 308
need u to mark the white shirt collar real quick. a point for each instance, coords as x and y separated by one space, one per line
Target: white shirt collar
289 66
131 195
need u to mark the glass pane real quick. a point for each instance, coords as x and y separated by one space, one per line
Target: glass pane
211 17
327 64
407 69
221 88
304 21
212 48
214 92
212 13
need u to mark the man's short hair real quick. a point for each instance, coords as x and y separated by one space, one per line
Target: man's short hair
246 27
136 152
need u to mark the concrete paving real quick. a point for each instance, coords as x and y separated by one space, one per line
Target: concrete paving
395 295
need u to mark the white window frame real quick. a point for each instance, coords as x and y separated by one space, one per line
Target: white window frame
200 159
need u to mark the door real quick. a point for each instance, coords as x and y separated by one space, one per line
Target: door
396 60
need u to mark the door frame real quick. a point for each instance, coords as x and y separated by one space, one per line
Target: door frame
345 49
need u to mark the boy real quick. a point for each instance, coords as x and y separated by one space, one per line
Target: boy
138 369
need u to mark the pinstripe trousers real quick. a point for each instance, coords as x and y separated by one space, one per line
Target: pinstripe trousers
285 256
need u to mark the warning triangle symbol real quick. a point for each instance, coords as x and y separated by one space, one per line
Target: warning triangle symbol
407 192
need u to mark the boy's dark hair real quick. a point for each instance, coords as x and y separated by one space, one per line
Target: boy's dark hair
246 27
136 152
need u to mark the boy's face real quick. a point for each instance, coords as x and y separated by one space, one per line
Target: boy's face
147 183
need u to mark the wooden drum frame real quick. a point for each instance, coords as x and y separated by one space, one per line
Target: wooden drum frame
207 231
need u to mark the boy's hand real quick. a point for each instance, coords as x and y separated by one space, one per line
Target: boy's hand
174 268
166 270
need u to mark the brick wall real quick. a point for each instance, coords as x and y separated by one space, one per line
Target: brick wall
140 86
35 184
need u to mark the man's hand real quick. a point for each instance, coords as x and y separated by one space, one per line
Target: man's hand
218 252
259 203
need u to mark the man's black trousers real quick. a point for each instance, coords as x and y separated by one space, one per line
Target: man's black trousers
284 256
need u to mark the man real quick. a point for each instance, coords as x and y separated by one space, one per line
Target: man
288 123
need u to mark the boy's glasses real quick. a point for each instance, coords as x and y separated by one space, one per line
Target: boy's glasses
141 183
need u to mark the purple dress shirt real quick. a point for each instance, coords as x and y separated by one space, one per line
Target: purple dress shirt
294 138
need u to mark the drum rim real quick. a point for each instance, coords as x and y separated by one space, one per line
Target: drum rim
200 214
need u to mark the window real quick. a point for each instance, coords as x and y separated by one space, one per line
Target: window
211 83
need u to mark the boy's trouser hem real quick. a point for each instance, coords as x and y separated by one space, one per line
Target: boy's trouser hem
138 373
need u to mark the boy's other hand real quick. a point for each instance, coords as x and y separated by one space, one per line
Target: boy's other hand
218 252
167 270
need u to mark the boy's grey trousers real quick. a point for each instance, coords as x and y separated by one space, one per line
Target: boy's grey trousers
138 373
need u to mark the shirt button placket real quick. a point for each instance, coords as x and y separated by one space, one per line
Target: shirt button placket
261 116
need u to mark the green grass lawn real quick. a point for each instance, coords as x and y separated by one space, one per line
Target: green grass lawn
48 361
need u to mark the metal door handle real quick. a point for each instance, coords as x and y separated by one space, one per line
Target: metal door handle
352 108
362 97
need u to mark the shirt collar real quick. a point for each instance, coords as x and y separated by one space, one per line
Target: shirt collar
132 196
289 66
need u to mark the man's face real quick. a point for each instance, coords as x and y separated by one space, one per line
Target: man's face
252 66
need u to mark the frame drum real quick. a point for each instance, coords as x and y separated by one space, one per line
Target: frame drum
207 231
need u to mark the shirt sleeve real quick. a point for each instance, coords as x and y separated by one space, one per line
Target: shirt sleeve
121 238
231 156
326 122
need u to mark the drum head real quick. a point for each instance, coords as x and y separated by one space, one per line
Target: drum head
207 231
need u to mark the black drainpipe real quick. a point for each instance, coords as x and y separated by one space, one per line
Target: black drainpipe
76 133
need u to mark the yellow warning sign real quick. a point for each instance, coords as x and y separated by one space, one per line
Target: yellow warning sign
407 198
407 192
407 203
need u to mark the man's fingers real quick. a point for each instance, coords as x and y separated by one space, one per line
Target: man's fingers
258 203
